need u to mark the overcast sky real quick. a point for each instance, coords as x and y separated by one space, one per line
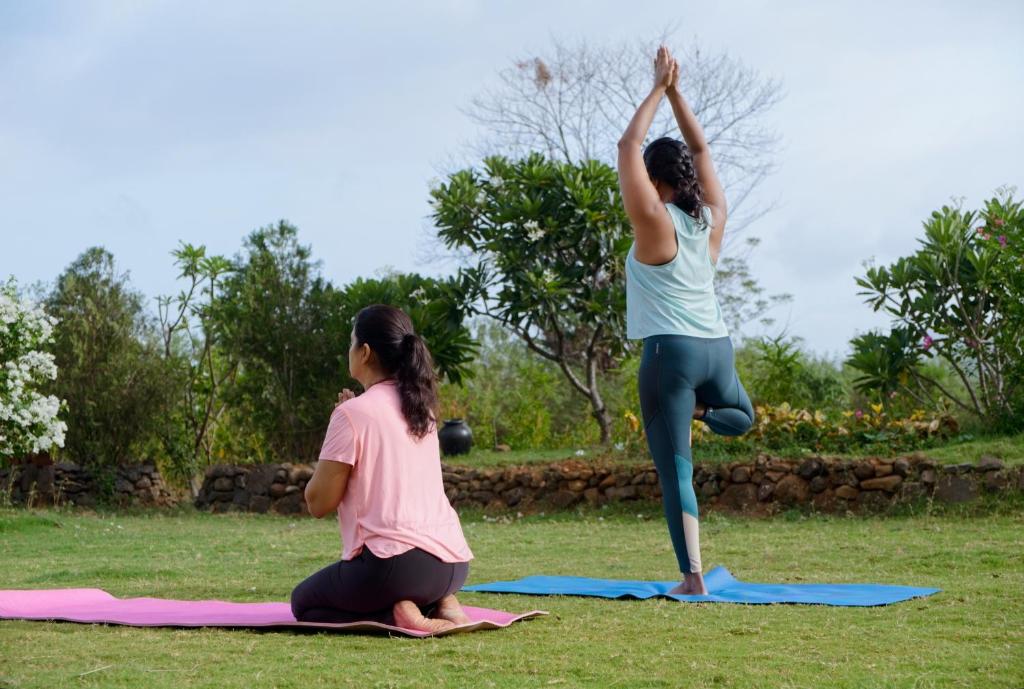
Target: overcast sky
134 125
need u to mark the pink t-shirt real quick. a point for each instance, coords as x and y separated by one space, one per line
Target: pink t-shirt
395 497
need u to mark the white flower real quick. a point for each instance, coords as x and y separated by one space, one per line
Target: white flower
619 446
580 453
480 197
28 420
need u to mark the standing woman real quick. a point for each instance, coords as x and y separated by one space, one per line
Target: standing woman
687 368
404 554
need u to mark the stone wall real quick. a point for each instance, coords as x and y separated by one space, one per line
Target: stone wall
67 483
763 486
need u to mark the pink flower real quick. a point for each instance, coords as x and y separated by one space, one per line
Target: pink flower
998 222
927 341
858 413
1002 240
892 394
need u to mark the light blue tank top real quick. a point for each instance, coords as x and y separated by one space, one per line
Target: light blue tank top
677 297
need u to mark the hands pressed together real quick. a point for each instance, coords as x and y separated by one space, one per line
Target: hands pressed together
666 69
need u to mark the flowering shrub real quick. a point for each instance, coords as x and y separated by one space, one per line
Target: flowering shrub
28 419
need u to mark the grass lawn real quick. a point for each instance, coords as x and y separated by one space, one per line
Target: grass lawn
969 635
1008 448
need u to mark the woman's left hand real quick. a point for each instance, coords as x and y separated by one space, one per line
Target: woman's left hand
663 68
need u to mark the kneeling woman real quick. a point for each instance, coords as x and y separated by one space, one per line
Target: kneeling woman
404 554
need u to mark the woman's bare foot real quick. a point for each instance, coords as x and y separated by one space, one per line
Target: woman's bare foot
692 585
448 608
407 615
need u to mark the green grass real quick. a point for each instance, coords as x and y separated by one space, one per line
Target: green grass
1008 448
969 635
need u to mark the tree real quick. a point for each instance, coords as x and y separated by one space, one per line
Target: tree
289 330
111 372
958 298
201 371
29 420
550 240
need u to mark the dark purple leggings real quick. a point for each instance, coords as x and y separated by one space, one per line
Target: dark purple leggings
366 587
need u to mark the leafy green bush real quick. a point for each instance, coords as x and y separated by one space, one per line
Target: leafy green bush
958 299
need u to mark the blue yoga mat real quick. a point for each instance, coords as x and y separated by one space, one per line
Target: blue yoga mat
722 587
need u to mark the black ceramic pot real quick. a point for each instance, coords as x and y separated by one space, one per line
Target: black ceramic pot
455 437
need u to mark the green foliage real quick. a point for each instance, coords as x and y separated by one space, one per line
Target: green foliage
549 240
289 330
198 369
515 397
776 370
958 298
108 354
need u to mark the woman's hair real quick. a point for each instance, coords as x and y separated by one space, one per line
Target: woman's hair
669 160
404 355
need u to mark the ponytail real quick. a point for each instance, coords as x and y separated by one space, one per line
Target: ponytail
404 355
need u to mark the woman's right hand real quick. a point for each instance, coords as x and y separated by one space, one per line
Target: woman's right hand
673 79
345 395
663 68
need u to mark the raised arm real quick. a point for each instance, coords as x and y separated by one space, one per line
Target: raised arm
647 213
693 135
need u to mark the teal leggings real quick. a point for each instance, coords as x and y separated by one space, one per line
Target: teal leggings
677 371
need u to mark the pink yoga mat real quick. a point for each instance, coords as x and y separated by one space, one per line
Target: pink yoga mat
96 605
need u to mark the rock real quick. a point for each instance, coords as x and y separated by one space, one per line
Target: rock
810 468
928 476
219 470
623 493
818 484
883 470
863 470
709 489
739 495
765 491
577 486
143 482
774 475
874 500
513 496
912 490
564 498
592 495
990 463
123 486
901 466
956 469
757 476
792 490
722 472
886 483
847 492
259 478
223 483
740 474
484 496
996 481
277 490
826 501
955 488
637 480
289 504
607 482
